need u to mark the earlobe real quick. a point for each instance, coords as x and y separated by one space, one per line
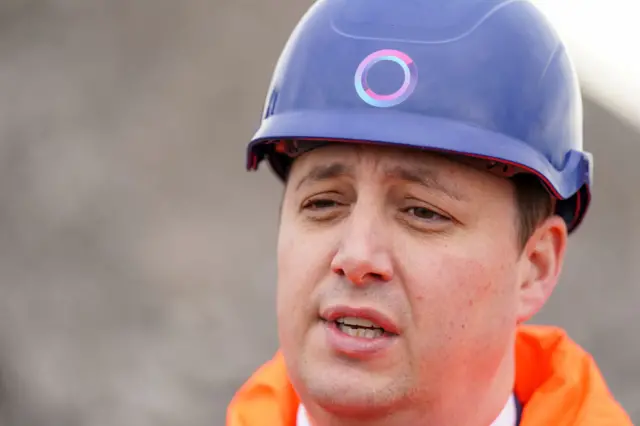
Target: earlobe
541 264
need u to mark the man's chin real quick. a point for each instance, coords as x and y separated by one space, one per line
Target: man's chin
356 393
356 406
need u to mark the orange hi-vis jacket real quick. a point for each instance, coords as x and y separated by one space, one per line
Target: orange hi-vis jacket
557 382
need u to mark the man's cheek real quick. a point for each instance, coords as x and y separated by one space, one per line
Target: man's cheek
459 295
294 300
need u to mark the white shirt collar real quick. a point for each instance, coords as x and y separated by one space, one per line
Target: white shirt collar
507 417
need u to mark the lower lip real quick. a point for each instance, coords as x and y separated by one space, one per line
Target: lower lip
356 347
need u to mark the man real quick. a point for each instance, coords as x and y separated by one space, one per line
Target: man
433 162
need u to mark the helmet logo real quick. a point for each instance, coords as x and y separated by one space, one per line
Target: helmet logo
384 101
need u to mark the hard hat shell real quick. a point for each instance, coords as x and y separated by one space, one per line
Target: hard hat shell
488 79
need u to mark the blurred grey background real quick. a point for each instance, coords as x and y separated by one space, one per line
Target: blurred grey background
137 255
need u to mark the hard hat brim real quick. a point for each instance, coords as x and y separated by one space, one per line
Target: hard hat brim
429 133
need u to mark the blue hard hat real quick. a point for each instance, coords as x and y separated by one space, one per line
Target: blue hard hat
486 79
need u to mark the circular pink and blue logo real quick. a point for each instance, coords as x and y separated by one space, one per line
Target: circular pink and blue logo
385 101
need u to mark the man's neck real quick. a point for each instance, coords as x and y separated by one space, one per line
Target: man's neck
506 417
459 403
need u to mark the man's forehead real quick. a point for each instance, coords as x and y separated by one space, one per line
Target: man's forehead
351 158
393 163
368 155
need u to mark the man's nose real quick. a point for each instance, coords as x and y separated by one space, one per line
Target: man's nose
364 255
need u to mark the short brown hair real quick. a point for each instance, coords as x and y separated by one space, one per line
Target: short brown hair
534 202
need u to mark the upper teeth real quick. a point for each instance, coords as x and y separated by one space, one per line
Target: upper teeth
357 322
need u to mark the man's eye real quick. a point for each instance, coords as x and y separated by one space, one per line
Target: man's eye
320 204
323 209
423 213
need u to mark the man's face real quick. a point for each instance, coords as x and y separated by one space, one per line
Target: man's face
421 246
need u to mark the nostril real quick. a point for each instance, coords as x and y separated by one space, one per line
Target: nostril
362 270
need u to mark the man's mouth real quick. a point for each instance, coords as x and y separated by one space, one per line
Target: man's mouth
358 332
359 327
359 322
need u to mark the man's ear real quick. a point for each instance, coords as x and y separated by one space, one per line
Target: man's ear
540 266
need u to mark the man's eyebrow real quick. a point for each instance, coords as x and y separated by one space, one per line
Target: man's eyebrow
324 172
424 176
